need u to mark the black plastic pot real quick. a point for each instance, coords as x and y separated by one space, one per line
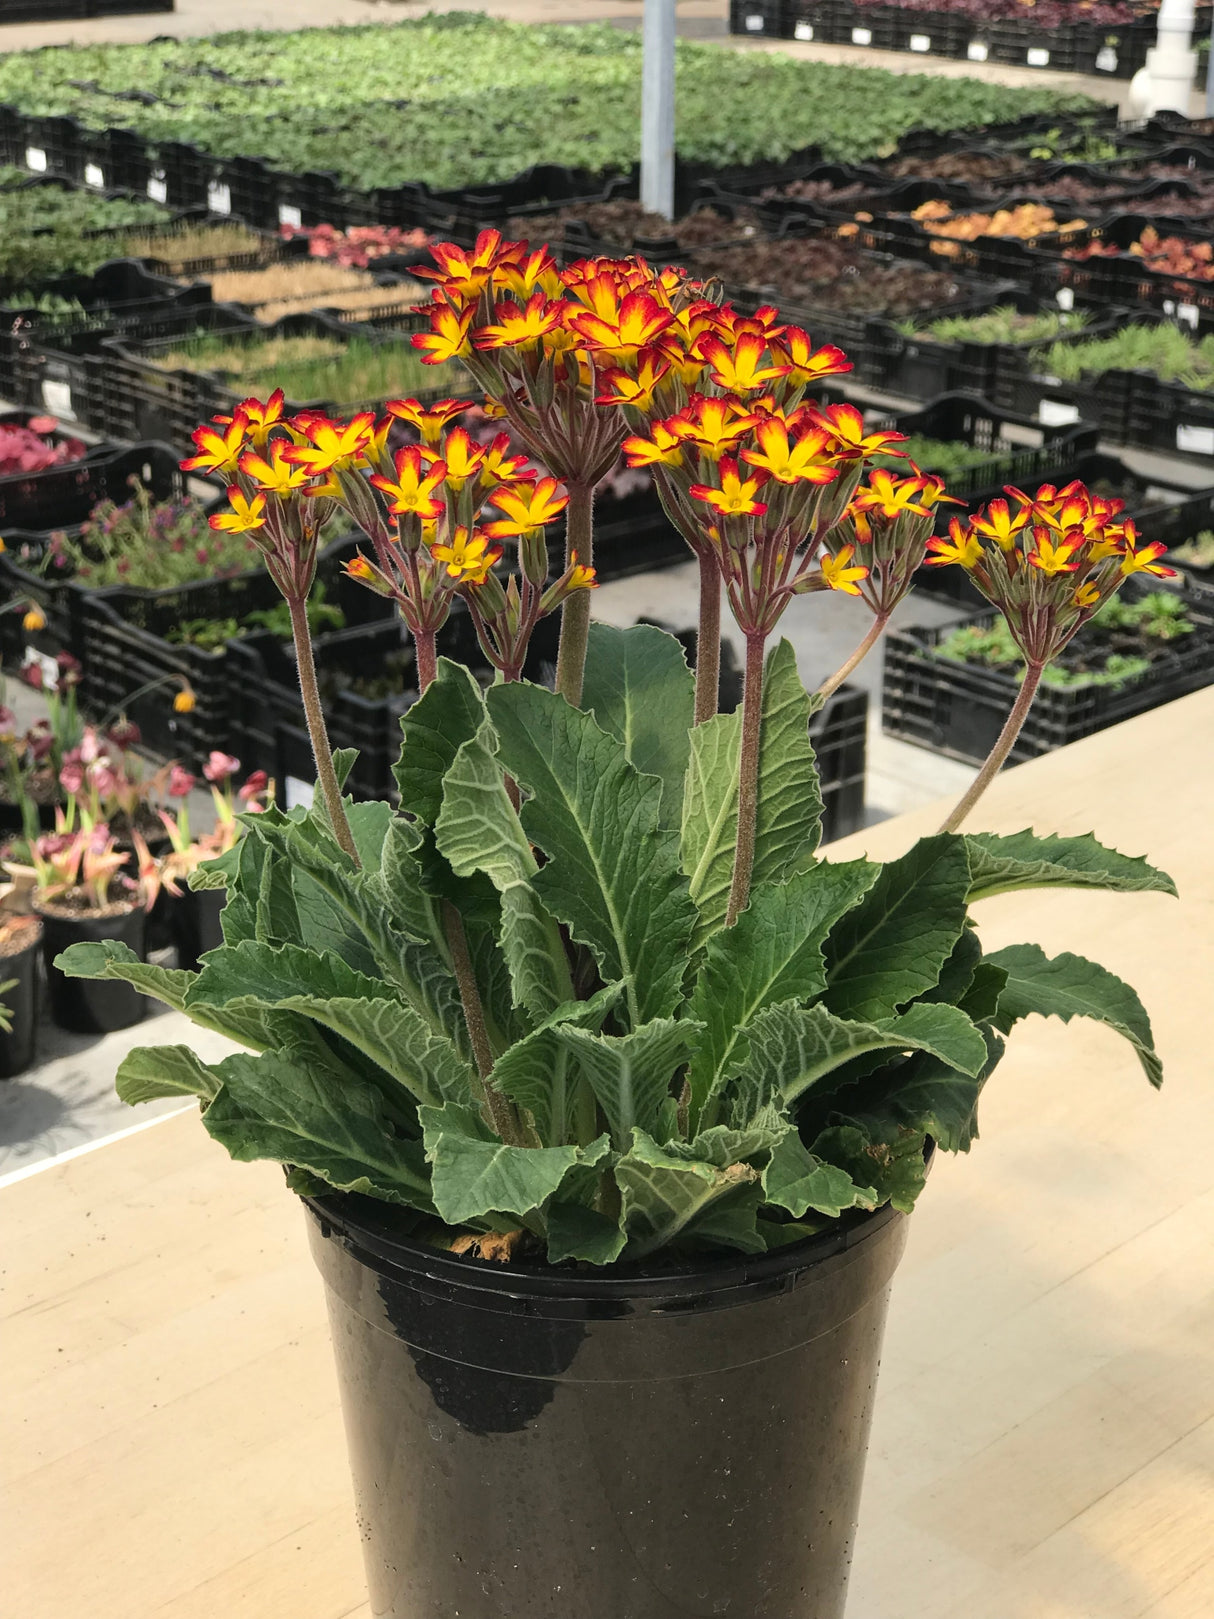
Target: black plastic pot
532 1444
194 924
87 1005
21 1000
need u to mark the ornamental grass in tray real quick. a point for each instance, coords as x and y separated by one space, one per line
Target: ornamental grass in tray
1164 350
294 286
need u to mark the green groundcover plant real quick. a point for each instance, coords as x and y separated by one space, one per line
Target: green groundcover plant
377 105
592 993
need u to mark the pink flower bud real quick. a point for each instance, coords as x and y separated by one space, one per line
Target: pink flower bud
181 782
219 767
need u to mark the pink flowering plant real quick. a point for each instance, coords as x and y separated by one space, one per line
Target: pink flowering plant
592 992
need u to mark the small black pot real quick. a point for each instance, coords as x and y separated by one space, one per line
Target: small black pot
88 1005
17 1048
628 1444
194 925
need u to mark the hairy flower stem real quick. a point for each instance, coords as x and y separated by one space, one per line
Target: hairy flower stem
829 687
500 1111
748 777
708 638
427 659
575 613
997 755
318 731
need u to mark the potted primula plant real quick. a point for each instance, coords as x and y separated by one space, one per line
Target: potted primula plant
606 1095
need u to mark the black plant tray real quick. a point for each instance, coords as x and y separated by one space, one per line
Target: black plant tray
959 709
1127 280
839 733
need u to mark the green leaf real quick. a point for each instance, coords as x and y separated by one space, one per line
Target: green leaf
929 1095
368 1012
289 1108
542 1075
631 1074
890 1159
478 831
790 805
665 1198
155 1071
892 947
474 1174
792 1048
1068 986
612 874
798 1181
772 953
1001 865
448 714
640 690
108 958
576 1231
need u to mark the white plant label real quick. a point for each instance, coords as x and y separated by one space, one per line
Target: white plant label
976 51
861 36
1065 298
1053 413
219 197
1106 59
1189 314
1037 57
93 176
288 215
299 793
921 42
57 397
158 186
50 669
1195 440
35 158
755 23
803 30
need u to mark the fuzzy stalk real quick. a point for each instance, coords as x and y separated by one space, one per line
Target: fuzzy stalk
1004 745
708 637
748 777
829 687
501 1113
575 612
318 731
427 658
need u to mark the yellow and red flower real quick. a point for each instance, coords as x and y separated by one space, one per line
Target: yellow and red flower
245 515
218 452
429 420
521 327
412 491
736 496
962 547
276 476
449 334
468 556
332 446
839 572
527 506
803 459
739 368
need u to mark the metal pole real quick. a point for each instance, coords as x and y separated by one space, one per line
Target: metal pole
657 108
1210 78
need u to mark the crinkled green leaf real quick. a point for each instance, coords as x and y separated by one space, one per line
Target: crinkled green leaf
150 1072
772 953
474 1174
891 947
631 1074
612 873
1002 864
640 690
667 1199
286 1107
576 1231
798 1181
1067 986
109 958
790 804
478 831
877 1152
543 1076
792 1048
448 714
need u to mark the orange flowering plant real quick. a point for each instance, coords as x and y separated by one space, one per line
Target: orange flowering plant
589 992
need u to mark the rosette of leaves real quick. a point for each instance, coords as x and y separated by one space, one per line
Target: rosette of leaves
658 1081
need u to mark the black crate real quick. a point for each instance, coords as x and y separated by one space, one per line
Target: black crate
758 19
959 709
63 496
1127 280
839 733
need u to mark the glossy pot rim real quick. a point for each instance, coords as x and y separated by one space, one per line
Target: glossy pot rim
718 1281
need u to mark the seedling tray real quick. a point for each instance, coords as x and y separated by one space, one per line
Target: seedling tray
1127 279
959 709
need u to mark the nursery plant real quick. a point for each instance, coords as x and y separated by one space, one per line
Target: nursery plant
1165 350
376 104
829 275
32 447
1004 324
590 1022
44 231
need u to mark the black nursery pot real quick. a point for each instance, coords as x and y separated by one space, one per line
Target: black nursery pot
193 923
17 1047
92 1005
531 1444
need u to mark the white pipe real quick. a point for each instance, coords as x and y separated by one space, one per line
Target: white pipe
1166 83
657 108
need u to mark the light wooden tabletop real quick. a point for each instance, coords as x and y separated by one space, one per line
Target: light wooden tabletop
171 1447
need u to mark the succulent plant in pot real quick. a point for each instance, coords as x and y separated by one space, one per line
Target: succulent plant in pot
20 936
607 1094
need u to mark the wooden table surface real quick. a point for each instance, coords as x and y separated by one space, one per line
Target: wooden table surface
1044 1444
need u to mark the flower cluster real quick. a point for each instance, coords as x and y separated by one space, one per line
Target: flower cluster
887 527
434 512
1051 563
186 852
